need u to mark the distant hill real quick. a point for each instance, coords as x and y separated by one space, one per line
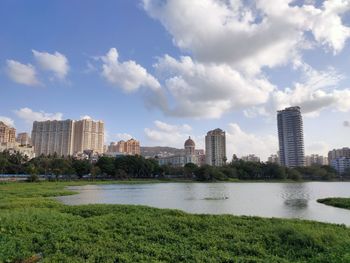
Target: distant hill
160 150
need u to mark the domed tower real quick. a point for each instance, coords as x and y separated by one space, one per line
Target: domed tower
189 146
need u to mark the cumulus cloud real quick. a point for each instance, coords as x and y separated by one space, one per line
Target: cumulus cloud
202 90
22 73
242 143
123 136
165 134
56 63
29 116
232 42
127 75
257 33
316 92
7 121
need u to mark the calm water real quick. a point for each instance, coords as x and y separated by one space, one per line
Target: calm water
286 200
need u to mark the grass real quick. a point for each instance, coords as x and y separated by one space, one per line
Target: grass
336 201
35 227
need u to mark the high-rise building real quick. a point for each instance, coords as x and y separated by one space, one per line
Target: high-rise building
132 147
340 164
23 138
291 137
88 135
67 137
215 147
49 137
7 133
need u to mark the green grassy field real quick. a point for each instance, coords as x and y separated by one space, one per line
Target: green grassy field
34 226
336 201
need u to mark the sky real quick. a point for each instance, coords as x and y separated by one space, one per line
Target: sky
162 70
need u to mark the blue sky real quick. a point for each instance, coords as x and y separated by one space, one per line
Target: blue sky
199 64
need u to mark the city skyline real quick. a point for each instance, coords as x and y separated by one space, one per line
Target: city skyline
138 81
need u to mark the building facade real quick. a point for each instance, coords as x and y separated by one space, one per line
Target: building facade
341 164
274 158
251 158
7 133
67 137
14 147
337 153
190 155
50 137
23 138
88 135
215 147
129 147
291 137
315 159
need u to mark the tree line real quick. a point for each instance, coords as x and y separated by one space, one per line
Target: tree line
124 167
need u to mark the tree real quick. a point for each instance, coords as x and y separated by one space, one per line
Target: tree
33 173
106 165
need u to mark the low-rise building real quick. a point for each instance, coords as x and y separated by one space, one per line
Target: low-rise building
273 158
13 147
251 158
341 164
315 159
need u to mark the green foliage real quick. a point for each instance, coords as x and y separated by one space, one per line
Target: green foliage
336 201
34 226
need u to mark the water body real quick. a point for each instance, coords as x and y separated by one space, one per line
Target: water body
283 200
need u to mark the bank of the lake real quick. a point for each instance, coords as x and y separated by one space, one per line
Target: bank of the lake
336 202
33 225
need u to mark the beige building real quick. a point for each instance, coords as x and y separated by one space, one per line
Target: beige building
67 137
23 138
49 137
13 147
131 147
7 133
88 135
315 159
338 153
215 147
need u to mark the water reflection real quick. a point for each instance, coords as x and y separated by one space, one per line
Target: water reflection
286 200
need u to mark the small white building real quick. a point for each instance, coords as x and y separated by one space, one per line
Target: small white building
13 147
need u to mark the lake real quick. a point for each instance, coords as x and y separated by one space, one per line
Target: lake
283 200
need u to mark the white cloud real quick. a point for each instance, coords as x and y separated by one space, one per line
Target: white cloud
56 63
7 121
127 75
164 134
209 90
21 73
123 136
232 42
30 116
315 93
243 143
85 117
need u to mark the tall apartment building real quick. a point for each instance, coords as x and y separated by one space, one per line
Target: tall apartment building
23 138
49 137
88 135
7 133
291 137
215 147
67 137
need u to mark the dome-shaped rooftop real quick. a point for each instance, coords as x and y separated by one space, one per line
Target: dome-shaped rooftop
189 142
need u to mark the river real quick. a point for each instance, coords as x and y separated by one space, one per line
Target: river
283 200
